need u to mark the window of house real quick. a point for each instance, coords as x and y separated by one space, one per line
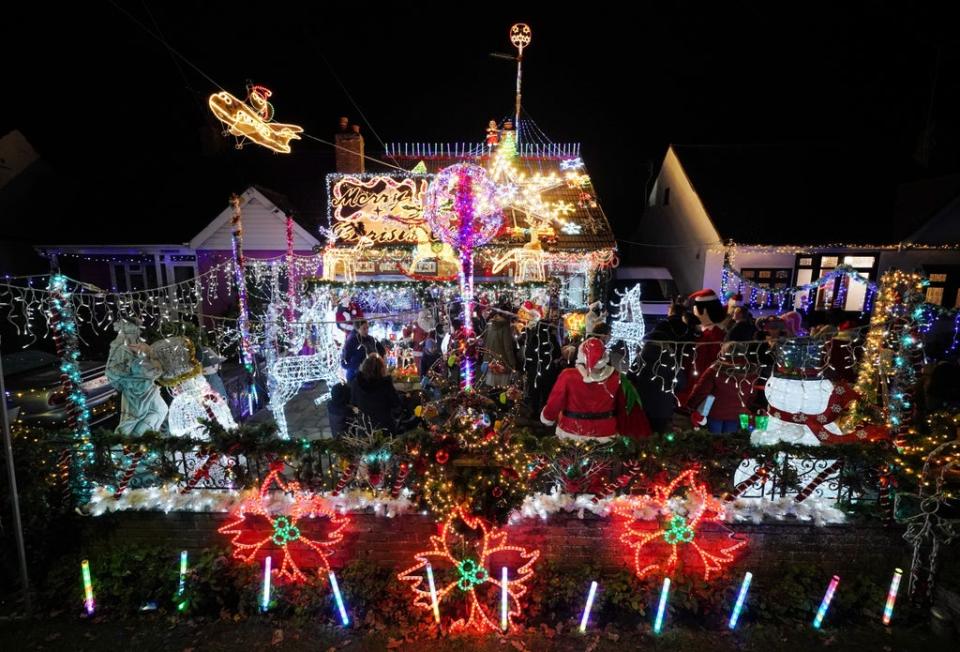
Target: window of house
843 292
136 274
944 287
770 277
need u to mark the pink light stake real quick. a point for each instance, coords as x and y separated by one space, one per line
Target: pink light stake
892 596
825 603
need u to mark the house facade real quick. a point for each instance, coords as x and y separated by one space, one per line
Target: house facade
741 209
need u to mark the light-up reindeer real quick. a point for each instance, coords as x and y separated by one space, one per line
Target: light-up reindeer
286 374
528 261
345 258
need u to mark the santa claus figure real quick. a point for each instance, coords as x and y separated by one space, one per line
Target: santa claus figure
347 313
419 331
590 401
493 134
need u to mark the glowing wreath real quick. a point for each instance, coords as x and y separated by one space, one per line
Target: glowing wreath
677 531
285 533
464 567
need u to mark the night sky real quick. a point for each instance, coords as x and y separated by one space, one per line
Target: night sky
111 110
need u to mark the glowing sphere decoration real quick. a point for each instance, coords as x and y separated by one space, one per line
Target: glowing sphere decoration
461 208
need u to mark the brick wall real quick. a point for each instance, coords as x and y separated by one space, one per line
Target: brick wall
566 539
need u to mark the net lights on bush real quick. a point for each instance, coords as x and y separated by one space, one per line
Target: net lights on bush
285 533
468 573
679 531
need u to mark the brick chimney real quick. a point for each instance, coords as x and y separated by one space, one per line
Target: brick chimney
349 148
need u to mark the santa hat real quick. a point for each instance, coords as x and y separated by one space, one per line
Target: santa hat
735 300
702 296
532 310
593 359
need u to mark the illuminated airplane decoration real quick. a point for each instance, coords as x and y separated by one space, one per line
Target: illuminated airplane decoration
251 120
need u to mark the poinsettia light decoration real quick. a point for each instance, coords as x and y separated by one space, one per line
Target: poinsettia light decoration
466 558
286 533
660 550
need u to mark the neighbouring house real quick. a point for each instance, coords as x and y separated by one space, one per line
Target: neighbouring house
177 256
786 215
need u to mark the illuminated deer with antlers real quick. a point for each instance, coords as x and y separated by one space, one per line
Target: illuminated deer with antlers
346 258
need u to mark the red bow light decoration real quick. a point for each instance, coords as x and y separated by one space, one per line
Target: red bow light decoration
678 530
464 564
250 541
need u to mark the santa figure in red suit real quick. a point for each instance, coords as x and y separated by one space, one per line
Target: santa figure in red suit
590 402
347 313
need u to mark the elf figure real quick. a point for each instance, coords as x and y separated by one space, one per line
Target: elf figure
591 401
711 313
723 392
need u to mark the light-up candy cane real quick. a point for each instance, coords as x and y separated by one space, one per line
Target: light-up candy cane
87 587
825 603
339 598
503 599
588 607
662 607
741 597
892 596
265 599
183 580
433 593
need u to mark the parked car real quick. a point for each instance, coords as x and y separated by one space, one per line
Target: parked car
32 381
657 289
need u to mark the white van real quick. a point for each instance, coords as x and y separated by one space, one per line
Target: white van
657 288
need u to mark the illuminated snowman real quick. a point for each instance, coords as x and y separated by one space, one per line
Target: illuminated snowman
193 398
804 407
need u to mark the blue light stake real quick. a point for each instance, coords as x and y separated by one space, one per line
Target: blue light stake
336 594
183 580
744 587
662 607
588 607
265 600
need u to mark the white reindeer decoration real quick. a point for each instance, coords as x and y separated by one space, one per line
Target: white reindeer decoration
287 374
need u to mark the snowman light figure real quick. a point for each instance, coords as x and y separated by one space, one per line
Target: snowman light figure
193 398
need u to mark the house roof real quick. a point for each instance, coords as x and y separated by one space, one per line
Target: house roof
785 194
267 198
595 232
44 206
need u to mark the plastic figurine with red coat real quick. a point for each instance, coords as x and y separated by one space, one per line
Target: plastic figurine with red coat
723 392
588 402
347 313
